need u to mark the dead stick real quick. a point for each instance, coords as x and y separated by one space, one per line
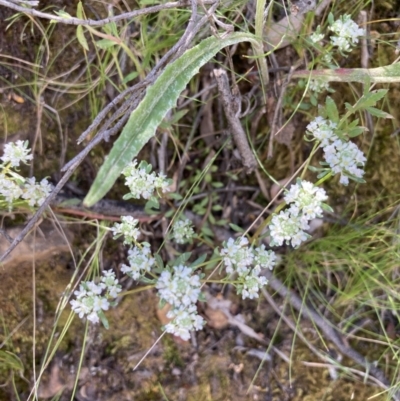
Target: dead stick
229 103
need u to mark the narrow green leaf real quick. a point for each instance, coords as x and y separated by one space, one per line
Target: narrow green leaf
103 319
159 99
200 260
331 110
159 261
353 132
79 11
130 77
236 228
81 37
367 85
105 43
387 74
378 113
182 259
167 124
63 14
11 361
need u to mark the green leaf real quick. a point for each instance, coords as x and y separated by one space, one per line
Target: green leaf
105 43
371 98
81 37
63 14
353 132
387 74
166 124
103 319
314 100
378 113
10 361
367 85
182 259
159 99
236 228
198 261
111 29
130 77
175 196
159 261
152 206
331 110
79 11
207 231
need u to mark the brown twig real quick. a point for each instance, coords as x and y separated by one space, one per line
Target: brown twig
102 22
231 108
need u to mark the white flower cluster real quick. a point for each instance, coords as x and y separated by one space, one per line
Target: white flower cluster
347 32
16 153
12 185
317 36
35 193
183 321
318 85
89 300
247 262
142 182
181 289
305 201
344 158
140 261
182 231
322 130
127 229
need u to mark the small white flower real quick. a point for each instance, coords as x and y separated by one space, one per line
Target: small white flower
143 184
251 285
9 189
36 193
182 231
286 227
162 184
100 303
93 288
264 259
110 283
16 153
316 37
347 32
345 158
127 228
237 256
306 198
322 130
89 301
318 85
140 261
180 288
93 317
184 321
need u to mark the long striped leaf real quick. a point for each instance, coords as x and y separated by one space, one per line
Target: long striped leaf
159 99
387 74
